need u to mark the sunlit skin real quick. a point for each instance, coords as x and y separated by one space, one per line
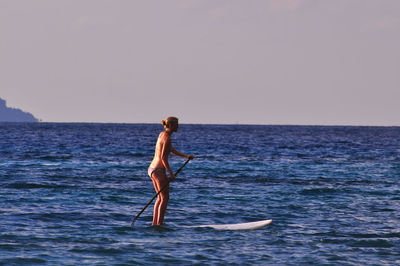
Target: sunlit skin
163 149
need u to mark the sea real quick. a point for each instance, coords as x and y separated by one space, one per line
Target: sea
69 191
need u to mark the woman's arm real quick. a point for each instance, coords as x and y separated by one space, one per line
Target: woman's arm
180 154
165 150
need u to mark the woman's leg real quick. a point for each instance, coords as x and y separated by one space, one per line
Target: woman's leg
160 180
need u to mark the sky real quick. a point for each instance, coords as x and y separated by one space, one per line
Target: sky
300 62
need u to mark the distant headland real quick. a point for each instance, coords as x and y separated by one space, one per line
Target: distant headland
8 114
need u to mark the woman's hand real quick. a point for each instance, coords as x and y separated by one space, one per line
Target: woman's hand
190 157
172 177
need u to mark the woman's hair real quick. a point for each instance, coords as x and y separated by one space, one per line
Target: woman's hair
166 122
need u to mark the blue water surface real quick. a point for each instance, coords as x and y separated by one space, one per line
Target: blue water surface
69 192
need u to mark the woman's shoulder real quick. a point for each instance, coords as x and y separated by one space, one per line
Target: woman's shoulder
164 136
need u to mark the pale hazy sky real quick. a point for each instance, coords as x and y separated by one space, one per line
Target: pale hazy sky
206 61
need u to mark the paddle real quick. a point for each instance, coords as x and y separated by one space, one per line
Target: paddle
155 196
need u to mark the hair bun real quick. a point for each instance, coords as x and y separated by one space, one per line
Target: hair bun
166 122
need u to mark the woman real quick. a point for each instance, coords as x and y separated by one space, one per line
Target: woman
159 166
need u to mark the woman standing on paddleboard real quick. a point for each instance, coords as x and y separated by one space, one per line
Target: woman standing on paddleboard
159 166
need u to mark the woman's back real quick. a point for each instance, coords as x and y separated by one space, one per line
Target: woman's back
163 148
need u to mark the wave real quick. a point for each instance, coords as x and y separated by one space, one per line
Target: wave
27 185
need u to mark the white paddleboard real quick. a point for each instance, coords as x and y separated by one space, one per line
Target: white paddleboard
241 226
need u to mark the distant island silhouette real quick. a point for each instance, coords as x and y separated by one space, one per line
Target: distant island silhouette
8 114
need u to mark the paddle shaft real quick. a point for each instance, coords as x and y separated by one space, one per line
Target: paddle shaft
155 196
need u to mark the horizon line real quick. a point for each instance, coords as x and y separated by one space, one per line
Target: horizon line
222 124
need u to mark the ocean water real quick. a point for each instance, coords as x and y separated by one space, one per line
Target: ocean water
69 192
